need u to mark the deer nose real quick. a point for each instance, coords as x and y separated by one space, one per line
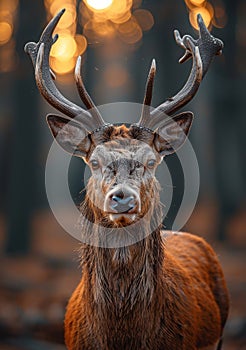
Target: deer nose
123 201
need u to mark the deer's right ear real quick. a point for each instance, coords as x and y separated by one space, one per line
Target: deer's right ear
70 135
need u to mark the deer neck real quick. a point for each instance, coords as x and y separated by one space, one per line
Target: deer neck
126 275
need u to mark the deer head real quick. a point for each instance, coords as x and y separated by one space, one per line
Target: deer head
122 160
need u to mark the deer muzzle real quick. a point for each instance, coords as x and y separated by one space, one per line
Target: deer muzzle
122 201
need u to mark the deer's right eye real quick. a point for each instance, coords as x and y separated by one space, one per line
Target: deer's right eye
94 164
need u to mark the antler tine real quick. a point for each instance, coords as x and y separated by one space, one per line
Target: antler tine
148 94
39 53
202 51
185 94
209 45
85 97
150 84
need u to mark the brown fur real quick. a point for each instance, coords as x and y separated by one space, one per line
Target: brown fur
166 291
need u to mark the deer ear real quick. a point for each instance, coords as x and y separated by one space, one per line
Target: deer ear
70 135
171 136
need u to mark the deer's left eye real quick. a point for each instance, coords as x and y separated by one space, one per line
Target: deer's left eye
94 164
151 163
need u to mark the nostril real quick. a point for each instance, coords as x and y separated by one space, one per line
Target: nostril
127 200
123 200
124 204
120 194
115 198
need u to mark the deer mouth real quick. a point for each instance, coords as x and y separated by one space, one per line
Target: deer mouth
125 217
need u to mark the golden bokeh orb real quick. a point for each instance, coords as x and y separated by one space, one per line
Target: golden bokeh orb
62 66
81 42
6 31
65 47
98 4
204 12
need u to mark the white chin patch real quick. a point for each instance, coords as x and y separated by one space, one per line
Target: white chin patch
120 216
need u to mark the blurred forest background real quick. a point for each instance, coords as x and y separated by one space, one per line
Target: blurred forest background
118 39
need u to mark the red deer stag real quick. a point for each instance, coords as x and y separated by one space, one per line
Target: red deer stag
167 289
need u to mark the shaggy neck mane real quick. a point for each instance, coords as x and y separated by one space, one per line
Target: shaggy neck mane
126 276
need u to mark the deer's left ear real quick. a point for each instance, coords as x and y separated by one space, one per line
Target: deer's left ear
171 136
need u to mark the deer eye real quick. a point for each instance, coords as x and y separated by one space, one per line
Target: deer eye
151 163
94 164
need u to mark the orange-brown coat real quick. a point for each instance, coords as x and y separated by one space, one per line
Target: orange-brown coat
186 309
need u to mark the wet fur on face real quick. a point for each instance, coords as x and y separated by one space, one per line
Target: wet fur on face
123 161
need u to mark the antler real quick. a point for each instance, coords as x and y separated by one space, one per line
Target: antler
148 94
202 51
39 53
85 97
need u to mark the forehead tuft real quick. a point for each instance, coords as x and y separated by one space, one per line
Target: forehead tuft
123 144
120 132
124 148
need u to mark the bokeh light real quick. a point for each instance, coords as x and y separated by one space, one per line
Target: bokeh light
99 4
205 12
64 48
130 31
115 20
144 18
8 57
118 9
213 15
8 10
5 32
62 66
203 7
81 44
9 6
101 21
121 18
68 18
